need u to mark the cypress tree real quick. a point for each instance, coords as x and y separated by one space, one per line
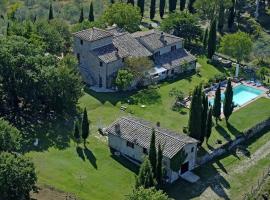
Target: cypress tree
228 101
212 39
159 166
152 9
50 13
145 177
162 8
131 2
140 4
204 116
152 152
81 16
172 5
217 104
231 15
190 6
91 16
182 5
221 16
209 124
195 116
85 127
205 39
77 133
8 29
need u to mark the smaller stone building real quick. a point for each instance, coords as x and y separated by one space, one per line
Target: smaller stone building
131 137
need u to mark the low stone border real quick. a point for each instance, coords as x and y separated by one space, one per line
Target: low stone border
233 143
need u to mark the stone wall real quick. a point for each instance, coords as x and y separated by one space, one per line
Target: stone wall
247 134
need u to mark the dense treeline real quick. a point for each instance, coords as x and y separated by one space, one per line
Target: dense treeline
33 80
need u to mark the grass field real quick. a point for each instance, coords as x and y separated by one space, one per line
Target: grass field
93 173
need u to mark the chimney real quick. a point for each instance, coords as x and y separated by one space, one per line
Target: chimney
162 38
158 124
117 53
117 128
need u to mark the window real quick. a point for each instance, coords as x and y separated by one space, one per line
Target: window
130 144
172 72
100 64
123 59
173 48
78 57
145 151
81 42
192 149
163 72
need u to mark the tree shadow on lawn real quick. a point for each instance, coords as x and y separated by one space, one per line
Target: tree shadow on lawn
210 179
126 163
90 157
227 135
113 98
50 133
80 153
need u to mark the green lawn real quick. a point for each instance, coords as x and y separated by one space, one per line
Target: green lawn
94 173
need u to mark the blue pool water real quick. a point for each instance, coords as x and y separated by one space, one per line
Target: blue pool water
242 94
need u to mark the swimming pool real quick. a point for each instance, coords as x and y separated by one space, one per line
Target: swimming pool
242 94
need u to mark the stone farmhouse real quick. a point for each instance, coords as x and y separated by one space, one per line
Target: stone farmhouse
101 53
131 137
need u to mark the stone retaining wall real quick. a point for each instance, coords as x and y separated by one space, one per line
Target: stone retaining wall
233 143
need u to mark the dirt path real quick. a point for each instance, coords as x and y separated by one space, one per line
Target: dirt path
216 191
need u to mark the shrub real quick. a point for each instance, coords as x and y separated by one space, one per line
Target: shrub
146 96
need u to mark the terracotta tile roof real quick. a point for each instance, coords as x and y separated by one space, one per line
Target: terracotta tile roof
174 58
92 34
139 131
155 39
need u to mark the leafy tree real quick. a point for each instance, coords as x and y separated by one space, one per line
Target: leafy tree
81 16
152 152
172 5
124 16
190 6
124 79
77 135
152 9
209 124
205 39
184 25
209 9
182 5
195 116
159 166
140 4
237 45
51 13
85 127
217 104
228 101
212 39
147 194
32 83
91 16
162 4
138 65
204 116
10 137
145 177
17 177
